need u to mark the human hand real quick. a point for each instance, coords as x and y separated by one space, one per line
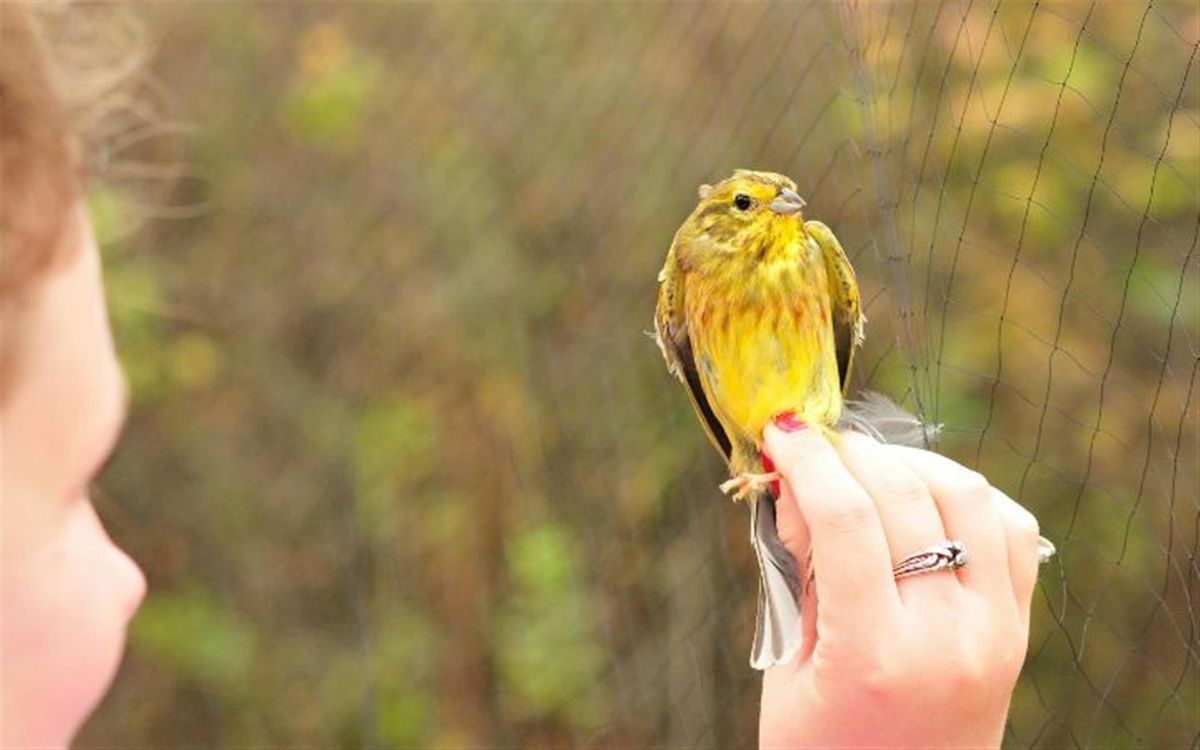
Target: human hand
927 661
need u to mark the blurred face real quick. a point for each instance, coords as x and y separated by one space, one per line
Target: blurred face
66 591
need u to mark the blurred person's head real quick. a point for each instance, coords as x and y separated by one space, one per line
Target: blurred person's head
66 591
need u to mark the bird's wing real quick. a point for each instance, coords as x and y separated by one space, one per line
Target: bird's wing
843 293
671 332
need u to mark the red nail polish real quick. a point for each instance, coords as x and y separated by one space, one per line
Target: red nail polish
768 467
788 422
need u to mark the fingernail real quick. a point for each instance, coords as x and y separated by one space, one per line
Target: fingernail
788 422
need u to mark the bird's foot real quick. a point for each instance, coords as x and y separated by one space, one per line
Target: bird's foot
744 485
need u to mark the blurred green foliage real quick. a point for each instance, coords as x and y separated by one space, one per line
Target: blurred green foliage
196 635
404 470
546 647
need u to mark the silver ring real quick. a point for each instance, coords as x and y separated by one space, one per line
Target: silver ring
948 555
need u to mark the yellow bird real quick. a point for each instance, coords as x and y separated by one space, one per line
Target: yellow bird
759 314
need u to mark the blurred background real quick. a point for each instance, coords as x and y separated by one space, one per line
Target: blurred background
403 467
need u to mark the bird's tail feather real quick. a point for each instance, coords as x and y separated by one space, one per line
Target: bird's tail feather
777 631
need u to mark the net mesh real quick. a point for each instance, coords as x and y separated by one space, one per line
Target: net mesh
405 470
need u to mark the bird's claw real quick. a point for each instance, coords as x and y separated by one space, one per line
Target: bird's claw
744 485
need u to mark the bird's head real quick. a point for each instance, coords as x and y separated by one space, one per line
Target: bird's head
748 212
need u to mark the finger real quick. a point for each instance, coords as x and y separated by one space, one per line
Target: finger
849 548
1021 530
794 534
964 500
909 514
809 606
789 523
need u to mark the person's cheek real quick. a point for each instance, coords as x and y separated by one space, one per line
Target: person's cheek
111 588
117 584
124 579
86 604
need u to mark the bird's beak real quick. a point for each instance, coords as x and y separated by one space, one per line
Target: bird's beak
787 202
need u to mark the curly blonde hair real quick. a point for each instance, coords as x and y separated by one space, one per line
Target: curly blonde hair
41 171
63 68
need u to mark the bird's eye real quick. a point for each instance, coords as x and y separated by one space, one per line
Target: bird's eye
742 202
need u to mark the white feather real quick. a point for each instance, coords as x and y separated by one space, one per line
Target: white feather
877 415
